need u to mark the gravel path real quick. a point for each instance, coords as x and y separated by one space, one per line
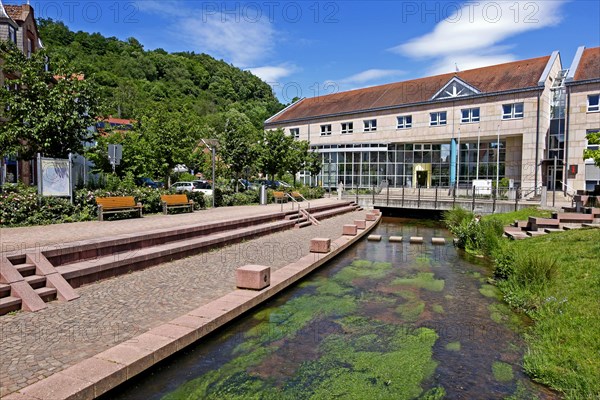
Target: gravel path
36 345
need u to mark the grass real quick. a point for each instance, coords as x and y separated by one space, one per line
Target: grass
523 214
556 281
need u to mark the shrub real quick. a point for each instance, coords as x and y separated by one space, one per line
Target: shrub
454 218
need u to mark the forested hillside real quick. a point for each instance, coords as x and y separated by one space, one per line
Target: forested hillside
175 99
134 80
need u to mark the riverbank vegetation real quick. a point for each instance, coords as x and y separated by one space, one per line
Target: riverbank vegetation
555 280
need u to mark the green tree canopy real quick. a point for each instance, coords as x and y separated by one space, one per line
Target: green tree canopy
46 112
274 152
593 138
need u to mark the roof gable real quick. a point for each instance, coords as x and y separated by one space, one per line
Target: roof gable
456 87
589 65
517 75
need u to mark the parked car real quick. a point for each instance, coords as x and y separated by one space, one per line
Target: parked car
203 186
181 187
148 182
274 184
247 185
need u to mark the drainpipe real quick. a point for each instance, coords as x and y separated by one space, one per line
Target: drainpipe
568 117
537 143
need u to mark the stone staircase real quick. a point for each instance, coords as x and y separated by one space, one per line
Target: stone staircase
30 279
537 226
306 217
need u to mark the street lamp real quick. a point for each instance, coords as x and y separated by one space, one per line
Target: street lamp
211 145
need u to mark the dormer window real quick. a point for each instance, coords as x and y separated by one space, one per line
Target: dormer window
456 87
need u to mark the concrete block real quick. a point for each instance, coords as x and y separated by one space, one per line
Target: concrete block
416 239
437 240
102 374
374 238
60 386
395 239
350 230
256 277
370 217
320 245
135 358
360 223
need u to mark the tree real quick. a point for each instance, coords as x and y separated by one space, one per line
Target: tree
45 112
238 143
297 156
274 152
593 138
313 163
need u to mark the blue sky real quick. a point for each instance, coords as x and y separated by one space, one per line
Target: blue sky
312 48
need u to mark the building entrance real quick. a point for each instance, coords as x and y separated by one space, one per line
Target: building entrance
556 184
422 175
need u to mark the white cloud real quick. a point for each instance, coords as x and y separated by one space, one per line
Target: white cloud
229 35
470 37
272 74
371 75
240 42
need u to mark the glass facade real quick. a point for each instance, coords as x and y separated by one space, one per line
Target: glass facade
369 164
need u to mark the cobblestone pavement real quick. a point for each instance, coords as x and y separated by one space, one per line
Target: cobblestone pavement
38 236
36 345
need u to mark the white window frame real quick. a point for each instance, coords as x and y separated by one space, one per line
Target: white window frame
347 128
404 122
513 114
326 130
435 118
369 125
295 133
470 117
595 107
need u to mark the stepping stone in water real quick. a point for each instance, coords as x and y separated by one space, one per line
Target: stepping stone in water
374 238
395 239
416 239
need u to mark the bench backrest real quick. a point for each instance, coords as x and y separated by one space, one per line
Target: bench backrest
174 199
279 195
296 194
116 202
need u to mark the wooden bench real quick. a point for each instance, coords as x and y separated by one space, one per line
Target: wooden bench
176 201
298 196
113 205
280 197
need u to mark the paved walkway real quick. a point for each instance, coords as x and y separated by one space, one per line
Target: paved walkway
36 345
12 239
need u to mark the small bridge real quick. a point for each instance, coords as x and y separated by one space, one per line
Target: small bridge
444 198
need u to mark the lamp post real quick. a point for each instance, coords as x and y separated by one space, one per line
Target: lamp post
211 144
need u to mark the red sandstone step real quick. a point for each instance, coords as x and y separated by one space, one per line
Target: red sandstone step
574 218
91 270
534 223
536 233
520 224
332 213
303 224
36 281
25 269
4 290
46 293
8 304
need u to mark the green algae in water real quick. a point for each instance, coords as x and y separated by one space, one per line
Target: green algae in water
423 261
503 372
348 371
437 308
423 280
363 269
437 393
502 314
453 346
490 291
411 311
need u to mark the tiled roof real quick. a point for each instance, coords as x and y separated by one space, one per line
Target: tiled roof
589 65
496 78
18 13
